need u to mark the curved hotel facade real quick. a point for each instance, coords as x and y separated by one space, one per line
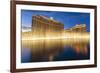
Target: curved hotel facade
46 27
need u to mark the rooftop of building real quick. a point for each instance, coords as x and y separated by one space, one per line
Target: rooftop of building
77 26
80 25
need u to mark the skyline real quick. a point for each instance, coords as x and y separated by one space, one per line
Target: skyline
69 19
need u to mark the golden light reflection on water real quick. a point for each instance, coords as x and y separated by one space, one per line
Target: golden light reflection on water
42 44
51 47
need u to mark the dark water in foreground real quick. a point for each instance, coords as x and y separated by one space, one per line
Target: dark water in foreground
55 50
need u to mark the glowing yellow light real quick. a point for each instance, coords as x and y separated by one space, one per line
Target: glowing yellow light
63 36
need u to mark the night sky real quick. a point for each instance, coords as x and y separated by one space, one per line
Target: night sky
69 19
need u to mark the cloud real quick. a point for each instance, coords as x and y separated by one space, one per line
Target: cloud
26 28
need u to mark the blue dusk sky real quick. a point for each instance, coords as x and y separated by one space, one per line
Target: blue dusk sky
69 19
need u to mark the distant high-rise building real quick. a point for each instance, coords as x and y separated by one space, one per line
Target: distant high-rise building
77 28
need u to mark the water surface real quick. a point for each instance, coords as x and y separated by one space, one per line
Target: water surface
55 50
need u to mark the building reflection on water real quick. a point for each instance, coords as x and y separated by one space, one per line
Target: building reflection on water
55 50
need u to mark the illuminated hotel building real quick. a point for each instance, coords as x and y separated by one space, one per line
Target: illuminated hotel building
77 31
46 27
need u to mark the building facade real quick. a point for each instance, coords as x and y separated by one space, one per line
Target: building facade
77 28
46 27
